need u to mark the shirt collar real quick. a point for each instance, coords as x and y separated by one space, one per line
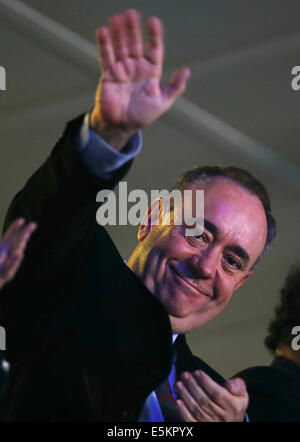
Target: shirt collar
174 336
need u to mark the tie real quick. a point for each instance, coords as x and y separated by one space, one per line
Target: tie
167 402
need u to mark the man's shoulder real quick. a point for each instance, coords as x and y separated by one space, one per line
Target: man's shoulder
274 392
280 375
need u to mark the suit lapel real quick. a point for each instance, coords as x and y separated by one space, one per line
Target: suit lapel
186 361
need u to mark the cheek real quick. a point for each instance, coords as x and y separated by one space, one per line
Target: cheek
164 245
225 286
177 247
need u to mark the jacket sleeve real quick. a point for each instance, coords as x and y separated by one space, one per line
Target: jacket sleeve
65 342
61 197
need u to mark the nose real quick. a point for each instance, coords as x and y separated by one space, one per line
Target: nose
204 264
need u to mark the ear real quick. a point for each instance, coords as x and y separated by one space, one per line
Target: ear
244 279
150 220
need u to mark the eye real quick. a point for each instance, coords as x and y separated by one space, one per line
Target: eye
233 262
200 238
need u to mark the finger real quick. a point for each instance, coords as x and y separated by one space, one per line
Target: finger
193 387
119 37
202 411
19 238
119 72
24 237
201 403
14 226
6 244
236 386
130 67
134 34
155 47
4 251
177 85
218 394
106 52
13 267
184 412
13 254
183 393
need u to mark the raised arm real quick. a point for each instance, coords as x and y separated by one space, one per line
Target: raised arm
130 94
61 195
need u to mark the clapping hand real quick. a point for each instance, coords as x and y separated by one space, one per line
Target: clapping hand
12 248
201 399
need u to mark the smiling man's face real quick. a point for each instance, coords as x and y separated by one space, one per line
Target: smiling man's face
195 277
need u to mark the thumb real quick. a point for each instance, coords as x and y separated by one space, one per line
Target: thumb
177 84
236 386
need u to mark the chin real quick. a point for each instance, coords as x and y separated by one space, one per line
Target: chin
177 305
187 324
179 325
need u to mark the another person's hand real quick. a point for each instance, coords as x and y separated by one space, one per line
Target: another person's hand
12 248
130 94
200 399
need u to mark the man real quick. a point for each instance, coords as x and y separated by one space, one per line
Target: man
94 342
275 390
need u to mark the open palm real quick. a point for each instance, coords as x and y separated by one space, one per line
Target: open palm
129 94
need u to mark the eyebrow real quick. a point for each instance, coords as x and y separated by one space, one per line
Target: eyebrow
238 250
211 227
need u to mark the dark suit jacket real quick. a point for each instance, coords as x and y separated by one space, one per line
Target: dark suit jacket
85 338
187 361
4 382
274 391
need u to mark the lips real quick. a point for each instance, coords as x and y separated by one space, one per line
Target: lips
189 283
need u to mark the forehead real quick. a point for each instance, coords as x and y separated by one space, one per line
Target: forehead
237 213
225 192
